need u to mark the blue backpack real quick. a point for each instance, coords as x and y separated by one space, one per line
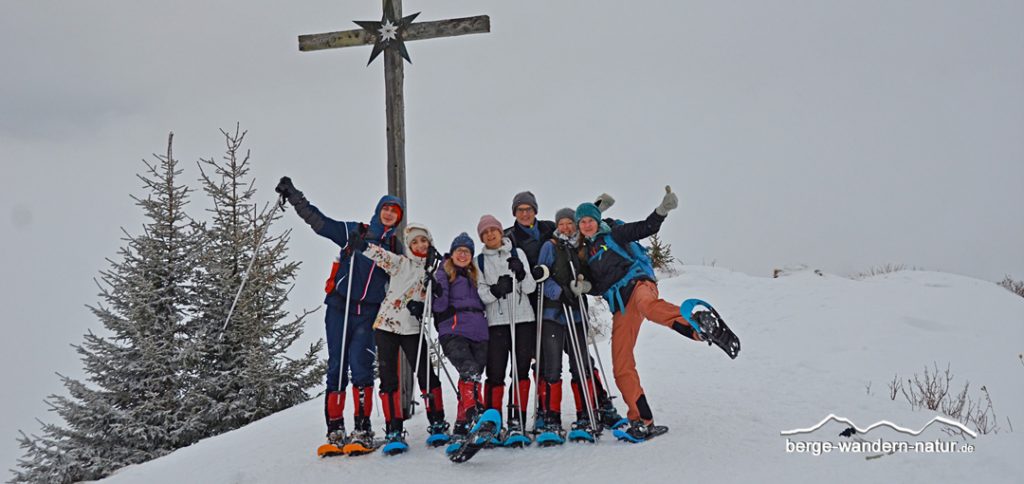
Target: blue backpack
641 266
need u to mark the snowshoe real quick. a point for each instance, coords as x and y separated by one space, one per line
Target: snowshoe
329 450
335 441
582 431
514 436
710 325
394 445
638 432
438 434
360 442
485 429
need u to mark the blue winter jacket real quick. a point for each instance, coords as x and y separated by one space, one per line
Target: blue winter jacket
369 282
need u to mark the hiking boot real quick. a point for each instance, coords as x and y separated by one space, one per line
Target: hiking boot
609 417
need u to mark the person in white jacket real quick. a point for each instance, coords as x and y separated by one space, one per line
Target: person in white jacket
504 285
398 327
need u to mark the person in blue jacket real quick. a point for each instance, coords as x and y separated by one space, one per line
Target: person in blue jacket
368 288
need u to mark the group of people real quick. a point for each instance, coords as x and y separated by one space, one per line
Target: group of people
486 304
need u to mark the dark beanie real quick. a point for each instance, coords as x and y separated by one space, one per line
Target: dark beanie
462 240
524 198
565 213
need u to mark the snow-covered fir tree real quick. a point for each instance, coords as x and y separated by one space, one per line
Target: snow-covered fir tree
128 411
242 366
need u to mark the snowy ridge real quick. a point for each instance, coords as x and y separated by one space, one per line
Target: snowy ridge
882 423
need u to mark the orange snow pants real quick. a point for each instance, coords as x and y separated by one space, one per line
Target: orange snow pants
644 303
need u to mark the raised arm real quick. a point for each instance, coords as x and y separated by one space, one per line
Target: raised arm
320 223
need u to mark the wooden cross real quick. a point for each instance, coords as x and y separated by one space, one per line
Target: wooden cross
388 36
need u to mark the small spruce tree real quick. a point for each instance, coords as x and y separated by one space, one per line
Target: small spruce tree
660 253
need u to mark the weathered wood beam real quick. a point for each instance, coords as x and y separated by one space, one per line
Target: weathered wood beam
480 24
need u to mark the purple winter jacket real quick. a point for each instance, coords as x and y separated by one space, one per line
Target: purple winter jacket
458 310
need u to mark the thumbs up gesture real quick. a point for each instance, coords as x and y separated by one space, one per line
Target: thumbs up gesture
670 202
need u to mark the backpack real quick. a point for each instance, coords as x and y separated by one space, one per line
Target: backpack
641 266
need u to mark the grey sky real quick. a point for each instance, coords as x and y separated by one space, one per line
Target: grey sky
841 135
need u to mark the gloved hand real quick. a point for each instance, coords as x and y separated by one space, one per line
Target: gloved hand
356 241
568 297
516 266
415 308
604 202
540 273
670 202
286 189
503 287
433 258
580 286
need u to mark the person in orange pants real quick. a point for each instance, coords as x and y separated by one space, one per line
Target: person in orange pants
621 272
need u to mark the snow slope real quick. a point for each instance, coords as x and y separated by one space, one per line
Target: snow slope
811 346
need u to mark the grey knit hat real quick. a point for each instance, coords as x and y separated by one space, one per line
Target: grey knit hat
565 213
524 198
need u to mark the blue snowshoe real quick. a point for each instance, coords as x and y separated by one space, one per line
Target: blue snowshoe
394 441
438 434
486 428
582 431
710 326
637 432
514 436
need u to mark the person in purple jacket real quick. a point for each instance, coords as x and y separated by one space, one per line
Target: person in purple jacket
462 326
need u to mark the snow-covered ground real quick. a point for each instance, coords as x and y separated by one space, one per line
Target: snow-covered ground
812 345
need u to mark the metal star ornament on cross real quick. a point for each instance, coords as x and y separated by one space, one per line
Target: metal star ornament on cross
388 33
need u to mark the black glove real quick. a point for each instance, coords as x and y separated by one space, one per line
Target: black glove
433 258
415 308
356 241
568 297
285 187
539 273
503 287
516 266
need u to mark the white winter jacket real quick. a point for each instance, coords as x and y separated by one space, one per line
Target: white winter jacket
495 264
407 275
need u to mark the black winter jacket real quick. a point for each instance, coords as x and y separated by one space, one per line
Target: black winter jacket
608 268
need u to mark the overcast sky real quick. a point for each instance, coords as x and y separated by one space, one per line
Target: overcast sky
840 135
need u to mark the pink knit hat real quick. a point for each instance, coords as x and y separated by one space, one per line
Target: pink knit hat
486 222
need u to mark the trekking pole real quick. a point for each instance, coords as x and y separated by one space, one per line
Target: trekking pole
432 344
515 367
419 343
344 325
585 315
248 270
537 352
580 369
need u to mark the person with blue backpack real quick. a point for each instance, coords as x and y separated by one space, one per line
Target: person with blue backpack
355 289
621 271
564 258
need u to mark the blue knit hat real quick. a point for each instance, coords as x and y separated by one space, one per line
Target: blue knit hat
588 209
463 240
